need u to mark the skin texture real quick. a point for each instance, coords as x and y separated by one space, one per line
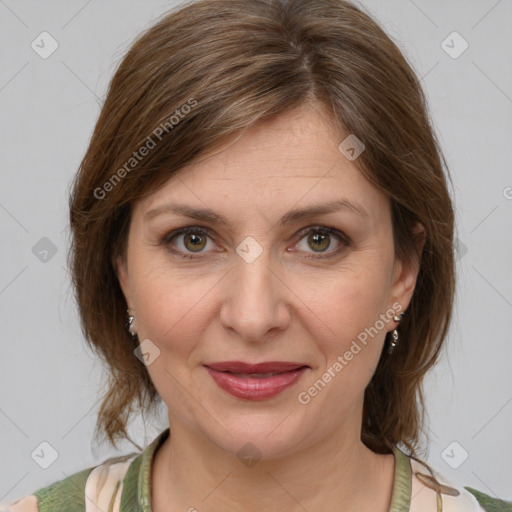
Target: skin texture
282 306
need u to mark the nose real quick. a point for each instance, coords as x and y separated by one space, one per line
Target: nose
255 299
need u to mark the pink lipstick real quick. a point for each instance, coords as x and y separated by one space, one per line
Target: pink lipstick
255 381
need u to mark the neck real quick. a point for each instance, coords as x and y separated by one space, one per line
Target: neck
340 473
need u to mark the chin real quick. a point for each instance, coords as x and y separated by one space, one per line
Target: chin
257 437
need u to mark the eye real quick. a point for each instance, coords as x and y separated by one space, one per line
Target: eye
193 240
319 239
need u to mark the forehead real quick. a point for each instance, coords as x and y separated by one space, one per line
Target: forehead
298 140
275 164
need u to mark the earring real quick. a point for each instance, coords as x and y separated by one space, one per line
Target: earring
129 321
394 335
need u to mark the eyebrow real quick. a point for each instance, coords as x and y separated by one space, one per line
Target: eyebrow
207 215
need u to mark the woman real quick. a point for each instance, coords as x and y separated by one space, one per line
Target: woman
263 240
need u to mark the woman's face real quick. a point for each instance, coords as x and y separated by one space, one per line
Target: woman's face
265 284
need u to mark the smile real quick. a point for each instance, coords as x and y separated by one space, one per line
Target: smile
255 382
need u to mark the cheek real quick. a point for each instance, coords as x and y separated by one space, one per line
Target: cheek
347 328
173 313
172 308
345 303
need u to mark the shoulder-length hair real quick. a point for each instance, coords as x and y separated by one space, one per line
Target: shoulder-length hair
197 78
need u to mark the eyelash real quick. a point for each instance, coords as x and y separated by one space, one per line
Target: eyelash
324 230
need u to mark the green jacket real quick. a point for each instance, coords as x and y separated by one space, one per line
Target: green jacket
121 484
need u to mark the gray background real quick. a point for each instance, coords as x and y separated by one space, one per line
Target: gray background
49 381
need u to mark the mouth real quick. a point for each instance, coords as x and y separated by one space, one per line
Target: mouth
255 381
242 368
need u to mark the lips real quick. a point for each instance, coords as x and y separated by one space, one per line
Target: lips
240 367
255 381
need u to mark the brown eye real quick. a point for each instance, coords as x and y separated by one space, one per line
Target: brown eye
319 241
191 240
194 242
187 241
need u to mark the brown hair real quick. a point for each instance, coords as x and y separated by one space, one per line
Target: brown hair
192 82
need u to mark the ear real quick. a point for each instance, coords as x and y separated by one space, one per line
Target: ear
405 274
121 268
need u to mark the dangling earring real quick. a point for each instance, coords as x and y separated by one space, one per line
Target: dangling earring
129 321
394 335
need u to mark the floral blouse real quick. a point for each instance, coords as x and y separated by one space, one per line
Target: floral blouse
121 484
